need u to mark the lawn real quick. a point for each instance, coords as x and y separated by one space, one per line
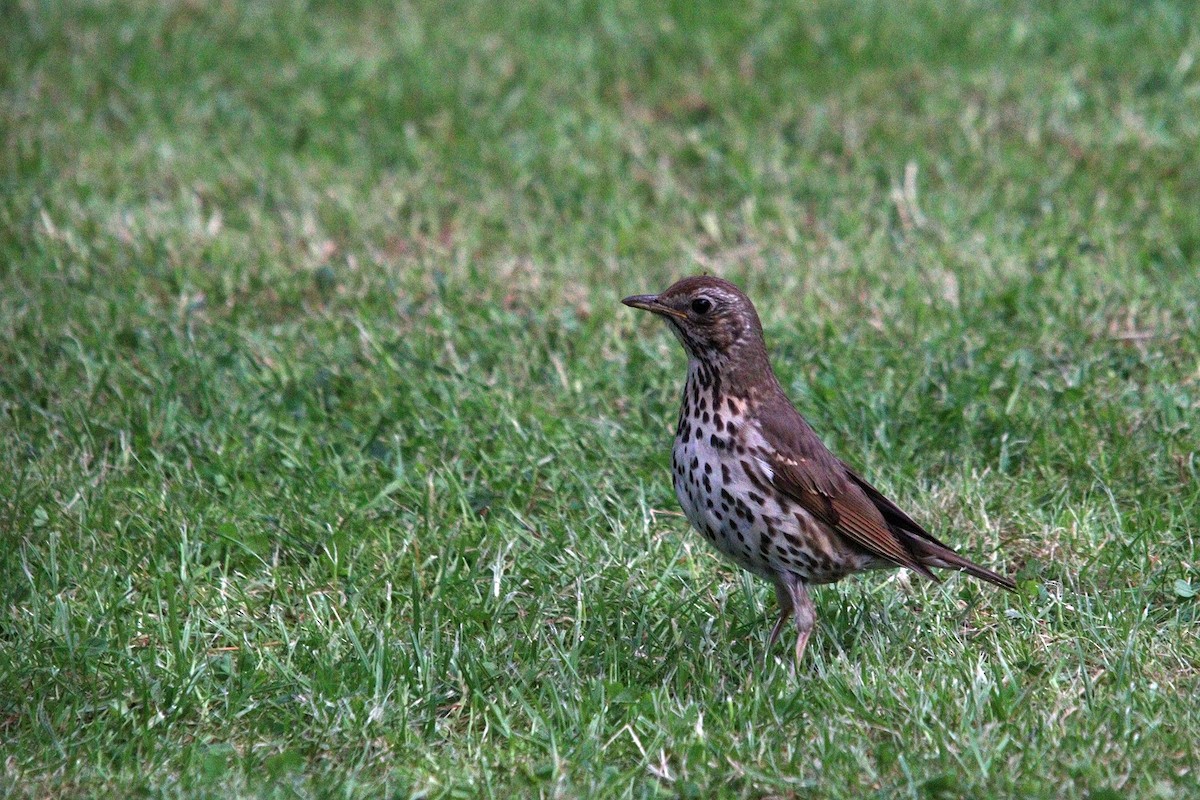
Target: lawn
333 467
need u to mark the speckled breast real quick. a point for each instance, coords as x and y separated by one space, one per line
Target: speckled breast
723 486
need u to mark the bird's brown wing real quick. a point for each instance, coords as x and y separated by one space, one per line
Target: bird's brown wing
895 516
804 469
921 542
844 506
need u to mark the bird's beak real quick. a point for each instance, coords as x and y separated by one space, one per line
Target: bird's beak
650 302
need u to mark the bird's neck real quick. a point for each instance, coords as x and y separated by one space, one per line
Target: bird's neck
744 372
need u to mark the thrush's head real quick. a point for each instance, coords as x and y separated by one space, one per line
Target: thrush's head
711 317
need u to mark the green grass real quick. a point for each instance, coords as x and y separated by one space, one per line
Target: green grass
333 467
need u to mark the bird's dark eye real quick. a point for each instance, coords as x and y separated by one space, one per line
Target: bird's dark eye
701 305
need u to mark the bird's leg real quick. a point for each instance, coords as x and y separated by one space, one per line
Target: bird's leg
803 608
785 611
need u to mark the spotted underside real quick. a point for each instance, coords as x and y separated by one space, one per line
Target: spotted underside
722 478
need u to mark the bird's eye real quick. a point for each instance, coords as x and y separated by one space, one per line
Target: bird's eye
701 305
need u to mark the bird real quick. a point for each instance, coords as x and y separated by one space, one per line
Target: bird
757 482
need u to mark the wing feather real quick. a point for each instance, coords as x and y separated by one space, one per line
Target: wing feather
827 492
802 468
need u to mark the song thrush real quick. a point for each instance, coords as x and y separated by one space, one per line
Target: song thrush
754 479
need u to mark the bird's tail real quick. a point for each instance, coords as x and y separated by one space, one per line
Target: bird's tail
934 555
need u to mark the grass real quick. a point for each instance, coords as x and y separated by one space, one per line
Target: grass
332 466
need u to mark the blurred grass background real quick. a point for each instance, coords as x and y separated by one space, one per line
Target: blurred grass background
333 467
